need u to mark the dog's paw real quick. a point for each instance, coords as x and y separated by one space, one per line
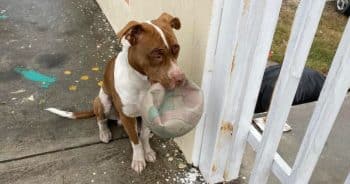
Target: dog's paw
105 136
138 165
150 156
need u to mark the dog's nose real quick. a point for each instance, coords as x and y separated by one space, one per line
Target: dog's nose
178 77
176 74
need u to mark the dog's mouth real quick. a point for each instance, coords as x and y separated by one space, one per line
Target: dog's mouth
152 81
168 85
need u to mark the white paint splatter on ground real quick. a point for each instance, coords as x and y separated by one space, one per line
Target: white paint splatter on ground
193 176
18 91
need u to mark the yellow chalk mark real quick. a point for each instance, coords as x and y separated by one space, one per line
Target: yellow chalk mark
100 83
67 72
84 77
95 69
72 88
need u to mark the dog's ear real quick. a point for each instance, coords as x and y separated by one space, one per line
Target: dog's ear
174 22
131 31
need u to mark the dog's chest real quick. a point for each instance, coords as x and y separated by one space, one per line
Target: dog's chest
130 85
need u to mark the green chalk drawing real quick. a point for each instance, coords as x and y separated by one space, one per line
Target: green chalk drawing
3 17
168 103
152 113
44 80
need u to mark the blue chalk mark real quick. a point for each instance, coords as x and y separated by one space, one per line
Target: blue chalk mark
45 81
3 17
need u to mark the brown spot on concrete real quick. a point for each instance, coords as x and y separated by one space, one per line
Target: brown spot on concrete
52 60
9 75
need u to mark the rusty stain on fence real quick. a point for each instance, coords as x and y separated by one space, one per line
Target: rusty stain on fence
213 168
225 174
246 6
226 127
233 62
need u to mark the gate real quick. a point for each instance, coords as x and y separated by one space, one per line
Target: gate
239 41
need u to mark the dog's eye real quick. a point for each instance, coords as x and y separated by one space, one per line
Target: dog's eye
157 55
175 49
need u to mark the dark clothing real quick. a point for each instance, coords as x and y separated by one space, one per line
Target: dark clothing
309 88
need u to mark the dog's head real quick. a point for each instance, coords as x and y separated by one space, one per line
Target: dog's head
154 49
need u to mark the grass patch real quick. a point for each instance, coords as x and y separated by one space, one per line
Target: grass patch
326 41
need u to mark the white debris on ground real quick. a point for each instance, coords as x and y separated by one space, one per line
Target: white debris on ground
181 166
18 91
30 98
193 176
163 145
261 124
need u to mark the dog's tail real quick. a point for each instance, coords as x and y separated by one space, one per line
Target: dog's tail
72 115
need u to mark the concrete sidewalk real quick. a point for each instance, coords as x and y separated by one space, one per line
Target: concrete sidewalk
334 163
52 37
67 40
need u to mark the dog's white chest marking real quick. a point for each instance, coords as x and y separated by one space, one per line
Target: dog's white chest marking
130 85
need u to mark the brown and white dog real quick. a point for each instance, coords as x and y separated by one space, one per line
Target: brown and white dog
149 54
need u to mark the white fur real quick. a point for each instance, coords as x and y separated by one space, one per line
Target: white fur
129 83
162 35
150 155
59 112
105 132
106 101
138 159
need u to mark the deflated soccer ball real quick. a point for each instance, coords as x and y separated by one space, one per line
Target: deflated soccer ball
172 113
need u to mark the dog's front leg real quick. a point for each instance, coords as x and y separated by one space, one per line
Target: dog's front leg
145 135
138 159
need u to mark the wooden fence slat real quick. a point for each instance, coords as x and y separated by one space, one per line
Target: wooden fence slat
279 167
252 53
303 32
220 77
207 75
232 16
325 113
347 180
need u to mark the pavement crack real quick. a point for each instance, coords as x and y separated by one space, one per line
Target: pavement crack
55 151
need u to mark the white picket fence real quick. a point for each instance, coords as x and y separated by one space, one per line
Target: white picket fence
240 38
